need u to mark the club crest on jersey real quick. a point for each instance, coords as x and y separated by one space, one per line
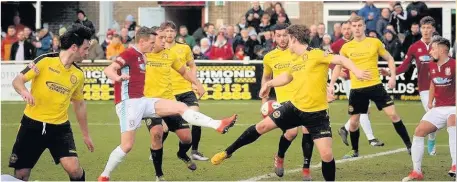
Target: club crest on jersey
73 79
433 71
164 56
276 114
447 71
419 50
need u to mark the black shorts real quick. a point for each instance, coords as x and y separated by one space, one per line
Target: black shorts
174 123
32 140
288 116
359 99
188 98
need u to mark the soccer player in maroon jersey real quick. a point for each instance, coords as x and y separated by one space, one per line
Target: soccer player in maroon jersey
128 73
364 119
419 51
442 112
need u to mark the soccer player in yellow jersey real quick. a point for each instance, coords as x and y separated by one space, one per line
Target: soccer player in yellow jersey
56 81
275 63
364 52
308 105
182 88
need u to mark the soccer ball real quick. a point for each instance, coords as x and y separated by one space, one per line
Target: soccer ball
268 107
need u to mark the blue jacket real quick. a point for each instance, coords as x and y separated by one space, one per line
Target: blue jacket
365 11
46 43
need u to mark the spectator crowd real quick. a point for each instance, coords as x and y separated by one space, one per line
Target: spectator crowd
251 38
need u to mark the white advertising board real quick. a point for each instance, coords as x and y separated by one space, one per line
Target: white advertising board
9 72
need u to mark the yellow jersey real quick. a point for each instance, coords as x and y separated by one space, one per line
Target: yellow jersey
365 55
53 87
310 72
277 62
181 85
159 66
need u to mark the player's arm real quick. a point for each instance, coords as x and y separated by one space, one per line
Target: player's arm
189 76
390 61
405 65
111 71
31 71
431 95
80 109
335 74
266 76
191 63
343 61
281 80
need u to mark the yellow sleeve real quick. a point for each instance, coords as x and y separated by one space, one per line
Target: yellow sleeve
189 54
33 69
177 64
321 56
343 51
327 57
78 93
381 48
266 67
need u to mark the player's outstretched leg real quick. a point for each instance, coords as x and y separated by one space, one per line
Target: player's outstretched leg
165 108
307 145
249 135
399 126
452 142
417 149
284 143
354 133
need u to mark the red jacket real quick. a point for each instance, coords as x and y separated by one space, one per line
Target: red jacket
224 52
7 43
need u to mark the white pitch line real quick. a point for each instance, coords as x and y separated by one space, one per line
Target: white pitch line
257 178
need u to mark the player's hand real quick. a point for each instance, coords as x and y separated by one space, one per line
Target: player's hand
384 72
392 82
362 75
264 91
200 90
430 105
330 93
27 96
343 74
89 144
330 97
123 77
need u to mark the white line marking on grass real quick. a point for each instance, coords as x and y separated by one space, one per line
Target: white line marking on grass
257 178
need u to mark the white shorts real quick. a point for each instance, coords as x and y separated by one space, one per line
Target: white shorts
438 115
347 87
131 112
424 99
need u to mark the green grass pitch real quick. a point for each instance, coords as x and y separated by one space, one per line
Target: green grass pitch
250 161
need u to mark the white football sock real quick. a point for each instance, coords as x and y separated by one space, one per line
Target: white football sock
347 125
366 126
417 152
115 158
199 119
451 131
432 136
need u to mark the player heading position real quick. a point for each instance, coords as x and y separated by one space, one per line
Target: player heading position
182 88
419 51
45 122
364 52
128 72
442 92
275 63
307 107
344 75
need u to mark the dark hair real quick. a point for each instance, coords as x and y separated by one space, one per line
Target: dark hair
208 24
182 26
300 32
279 27
144 32
428 20
414 23
117 36
11 27
76 34
442 41
80 11
154 29
168 24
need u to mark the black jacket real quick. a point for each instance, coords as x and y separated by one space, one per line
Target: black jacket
86 22
255 21
394 47
28 51
409 40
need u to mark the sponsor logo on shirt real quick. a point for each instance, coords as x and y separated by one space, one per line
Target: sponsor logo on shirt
281 65
425 58
58 87
441 81
54 70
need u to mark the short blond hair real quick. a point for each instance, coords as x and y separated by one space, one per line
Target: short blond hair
356 19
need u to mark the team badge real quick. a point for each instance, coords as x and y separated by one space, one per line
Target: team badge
164 56
139 59
179 51
305 57
419 50
447 71
276 114
148 122
73 79
433 71
351 109
13 158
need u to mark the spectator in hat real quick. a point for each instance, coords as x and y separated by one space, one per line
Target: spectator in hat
130 24
82 19
326 43
392 44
